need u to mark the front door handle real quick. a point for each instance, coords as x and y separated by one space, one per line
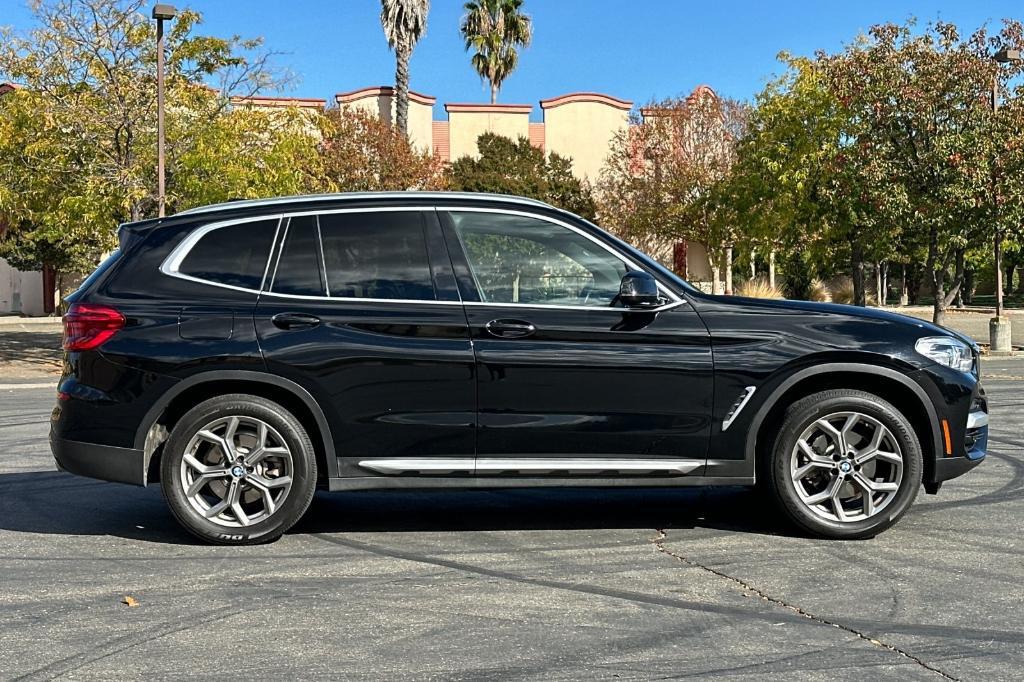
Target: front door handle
510 329
295 321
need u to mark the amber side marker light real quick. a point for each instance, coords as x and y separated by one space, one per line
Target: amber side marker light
945 433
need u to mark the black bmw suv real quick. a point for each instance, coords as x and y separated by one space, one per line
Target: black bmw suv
246 354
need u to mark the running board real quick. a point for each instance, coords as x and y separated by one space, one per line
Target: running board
538 465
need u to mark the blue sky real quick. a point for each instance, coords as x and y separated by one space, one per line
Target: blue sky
633 49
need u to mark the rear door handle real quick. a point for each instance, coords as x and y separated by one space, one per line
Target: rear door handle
510 329
295 321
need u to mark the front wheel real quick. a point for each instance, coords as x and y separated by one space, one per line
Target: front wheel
846 464
238 469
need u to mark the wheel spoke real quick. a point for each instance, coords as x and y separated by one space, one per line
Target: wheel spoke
801 472
874 486
216 509
226 449
830 491
260 454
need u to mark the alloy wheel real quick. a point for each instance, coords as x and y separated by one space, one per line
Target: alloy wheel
236 471
846 467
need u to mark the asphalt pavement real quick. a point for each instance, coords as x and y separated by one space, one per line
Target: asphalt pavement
523 584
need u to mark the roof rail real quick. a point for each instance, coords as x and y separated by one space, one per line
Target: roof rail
351 196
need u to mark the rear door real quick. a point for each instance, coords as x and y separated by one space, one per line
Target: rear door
562 371
362 310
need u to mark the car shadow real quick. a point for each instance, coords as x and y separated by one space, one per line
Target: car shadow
53 502
39 350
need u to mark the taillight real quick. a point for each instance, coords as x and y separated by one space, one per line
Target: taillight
88 326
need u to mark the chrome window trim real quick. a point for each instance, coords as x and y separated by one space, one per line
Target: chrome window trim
555 221
171 264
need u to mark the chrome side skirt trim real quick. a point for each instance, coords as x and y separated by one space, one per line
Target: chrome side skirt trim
975 420
738 406
539 465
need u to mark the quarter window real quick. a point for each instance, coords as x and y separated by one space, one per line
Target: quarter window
376 255
520 259
235 255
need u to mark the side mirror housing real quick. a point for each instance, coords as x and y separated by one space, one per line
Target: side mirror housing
639 290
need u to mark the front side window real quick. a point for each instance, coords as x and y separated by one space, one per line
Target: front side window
376 255
235 255
521 259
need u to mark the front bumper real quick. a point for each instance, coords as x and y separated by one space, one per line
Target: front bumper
975 448
105 462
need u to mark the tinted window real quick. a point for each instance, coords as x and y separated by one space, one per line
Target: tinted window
235 255
519 259
376 255
298 268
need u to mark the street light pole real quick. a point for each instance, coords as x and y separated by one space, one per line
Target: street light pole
999 326
161 13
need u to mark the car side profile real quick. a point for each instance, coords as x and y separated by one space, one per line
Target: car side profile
245 354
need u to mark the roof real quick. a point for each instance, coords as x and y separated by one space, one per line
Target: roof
381 91
595 97
353 196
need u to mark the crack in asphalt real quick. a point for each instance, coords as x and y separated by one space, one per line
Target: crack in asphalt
659 545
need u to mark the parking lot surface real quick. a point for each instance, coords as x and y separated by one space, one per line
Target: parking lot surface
521 584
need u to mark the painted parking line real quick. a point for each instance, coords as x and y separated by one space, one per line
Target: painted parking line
11 387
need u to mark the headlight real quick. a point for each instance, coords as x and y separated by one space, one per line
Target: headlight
947 351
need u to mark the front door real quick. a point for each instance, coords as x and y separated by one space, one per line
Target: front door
363 312
564 374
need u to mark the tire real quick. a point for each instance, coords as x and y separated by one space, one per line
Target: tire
863 494
271 486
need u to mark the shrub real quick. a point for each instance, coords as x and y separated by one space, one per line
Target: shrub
758 288
842 291
818 291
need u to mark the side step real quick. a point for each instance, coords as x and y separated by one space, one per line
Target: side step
537 465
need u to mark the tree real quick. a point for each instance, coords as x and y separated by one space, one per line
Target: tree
404 22
495 30
922 110
80 135
666 177
509 166
360 152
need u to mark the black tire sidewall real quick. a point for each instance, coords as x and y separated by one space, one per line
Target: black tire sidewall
304 473
803 413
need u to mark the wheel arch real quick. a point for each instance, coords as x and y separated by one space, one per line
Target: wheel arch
895 387
194 389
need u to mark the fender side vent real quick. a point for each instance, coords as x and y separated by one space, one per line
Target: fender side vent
738 406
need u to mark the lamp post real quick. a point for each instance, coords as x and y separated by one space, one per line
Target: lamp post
161 13
999 330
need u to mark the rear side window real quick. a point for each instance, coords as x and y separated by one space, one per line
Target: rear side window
298 268
376 255
235 255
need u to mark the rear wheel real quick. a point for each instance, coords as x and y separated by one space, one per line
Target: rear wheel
846 464
238 469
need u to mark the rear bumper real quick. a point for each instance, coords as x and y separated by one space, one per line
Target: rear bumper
105 462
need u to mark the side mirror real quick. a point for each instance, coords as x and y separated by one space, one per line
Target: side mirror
639 290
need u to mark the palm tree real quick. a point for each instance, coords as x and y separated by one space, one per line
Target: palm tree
404 22
494 29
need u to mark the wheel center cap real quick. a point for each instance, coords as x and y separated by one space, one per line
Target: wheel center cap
238 471
845 467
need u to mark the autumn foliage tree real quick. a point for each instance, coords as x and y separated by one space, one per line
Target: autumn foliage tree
361 153
664 179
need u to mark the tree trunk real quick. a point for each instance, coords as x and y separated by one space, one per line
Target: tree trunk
771 268
885 283
1008 282
879 285
494 93
904 288
753 264
402 53
728 271
857 273
969 286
